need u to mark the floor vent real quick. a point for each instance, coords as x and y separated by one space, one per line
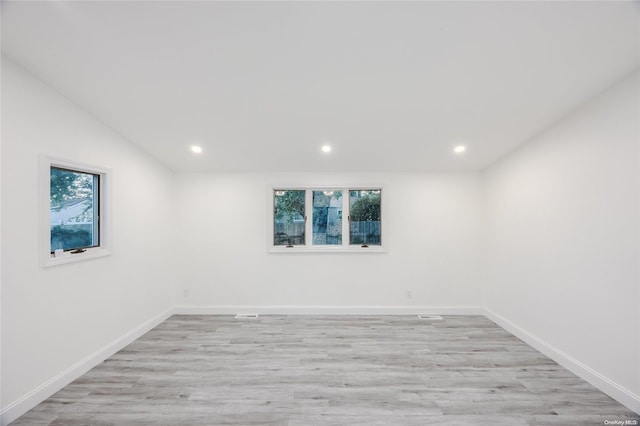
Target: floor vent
246 316
430 317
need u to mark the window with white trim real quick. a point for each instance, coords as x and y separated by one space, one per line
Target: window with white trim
73 211
326 219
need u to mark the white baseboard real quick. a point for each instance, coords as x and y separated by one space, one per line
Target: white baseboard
45 390
606 385
326 310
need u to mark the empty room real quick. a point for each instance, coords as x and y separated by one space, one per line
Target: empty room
320 213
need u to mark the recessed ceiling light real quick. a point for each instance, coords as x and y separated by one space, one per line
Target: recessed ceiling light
459 149
326 148
197 149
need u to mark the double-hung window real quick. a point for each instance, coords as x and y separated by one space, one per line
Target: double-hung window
326 219
73 212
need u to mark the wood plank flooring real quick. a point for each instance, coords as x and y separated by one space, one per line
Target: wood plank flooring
331 370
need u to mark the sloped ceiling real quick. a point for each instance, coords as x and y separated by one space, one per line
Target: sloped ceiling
391 86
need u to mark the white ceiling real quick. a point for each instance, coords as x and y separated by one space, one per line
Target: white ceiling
261 86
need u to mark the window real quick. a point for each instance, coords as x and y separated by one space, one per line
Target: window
74 209
327 217
364 217
73 212
312 219
289 218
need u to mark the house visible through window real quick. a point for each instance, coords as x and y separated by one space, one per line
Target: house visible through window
324 208
327 217
74 209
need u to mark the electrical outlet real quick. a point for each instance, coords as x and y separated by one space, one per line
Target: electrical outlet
408 294
185 292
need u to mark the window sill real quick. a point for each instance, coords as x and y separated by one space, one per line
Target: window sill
71 258
336 250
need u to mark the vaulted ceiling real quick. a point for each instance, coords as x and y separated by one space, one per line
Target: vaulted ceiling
261 86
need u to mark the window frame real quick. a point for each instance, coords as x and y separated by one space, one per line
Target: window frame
309 247
343 227
103 248
364 245
95 200
305 218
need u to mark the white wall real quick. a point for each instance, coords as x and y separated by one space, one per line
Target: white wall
53 318
430 230
562 224
1 239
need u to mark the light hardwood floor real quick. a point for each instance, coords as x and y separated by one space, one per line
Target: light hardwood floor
331 370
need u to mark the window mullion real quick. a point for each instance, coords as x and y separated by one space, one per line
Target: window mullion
345 218
96 210
308 212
